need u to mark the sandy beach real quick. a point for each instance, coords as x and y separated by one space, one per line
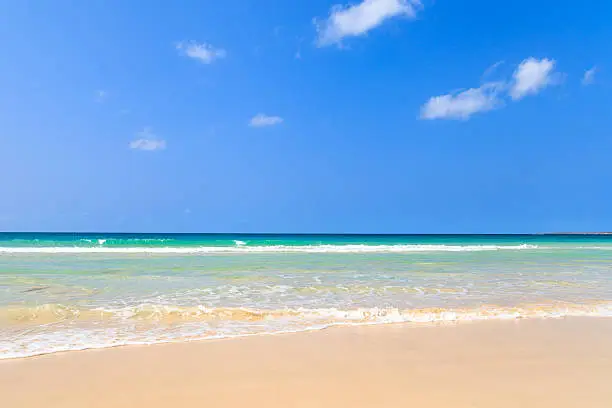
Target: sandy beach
526 363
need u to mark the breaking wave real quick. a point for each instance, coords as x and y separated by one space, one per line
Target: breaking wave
55 328
240 247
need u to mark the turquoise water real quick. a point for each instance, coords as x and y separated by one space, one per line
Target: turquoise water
63 292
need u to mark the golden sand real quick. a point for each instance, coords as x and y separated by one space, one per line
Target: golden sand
528 363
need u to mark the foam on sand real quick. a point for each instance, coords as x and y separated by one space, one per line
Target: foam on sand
53 328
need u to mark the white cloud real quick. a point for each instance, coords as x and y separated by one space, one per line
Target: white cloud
464 104
358 19
489 71
531 76
589 76
261 120
147 140
203 52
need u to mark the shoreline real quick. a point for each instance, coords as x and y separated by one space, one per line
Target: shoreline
441 318
530 362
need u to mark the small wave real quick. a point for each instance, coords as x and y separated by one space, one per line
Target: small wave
362 315
41 314
241 248
46 313
179 324
122 241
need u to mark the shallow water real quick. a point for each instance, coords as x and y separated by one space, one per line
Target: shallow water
73 291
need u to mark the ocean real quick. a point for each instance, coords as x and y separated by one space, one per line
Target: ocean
73 291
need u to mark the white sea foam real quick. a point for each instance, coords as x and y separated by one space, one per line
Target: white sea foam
242 248
70 338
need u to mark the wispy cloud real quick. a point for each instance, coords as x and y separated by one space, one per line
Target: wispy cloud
147 140
261 120
531 76
464 104
358 19
589 76
101 95
203 52
489 71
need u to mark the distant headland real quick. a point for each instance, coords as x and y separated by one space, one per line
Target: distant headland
576 233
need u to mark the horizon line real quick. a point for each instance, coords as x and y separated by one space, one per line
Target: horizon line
314 233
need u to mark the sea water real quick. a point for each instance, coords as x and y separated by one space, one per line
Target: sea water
61 292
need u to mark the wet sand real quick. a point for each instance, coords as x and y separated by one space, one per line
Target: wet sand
528 363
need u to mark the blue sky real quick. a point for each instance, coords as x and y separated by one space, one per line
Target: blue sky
306 116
